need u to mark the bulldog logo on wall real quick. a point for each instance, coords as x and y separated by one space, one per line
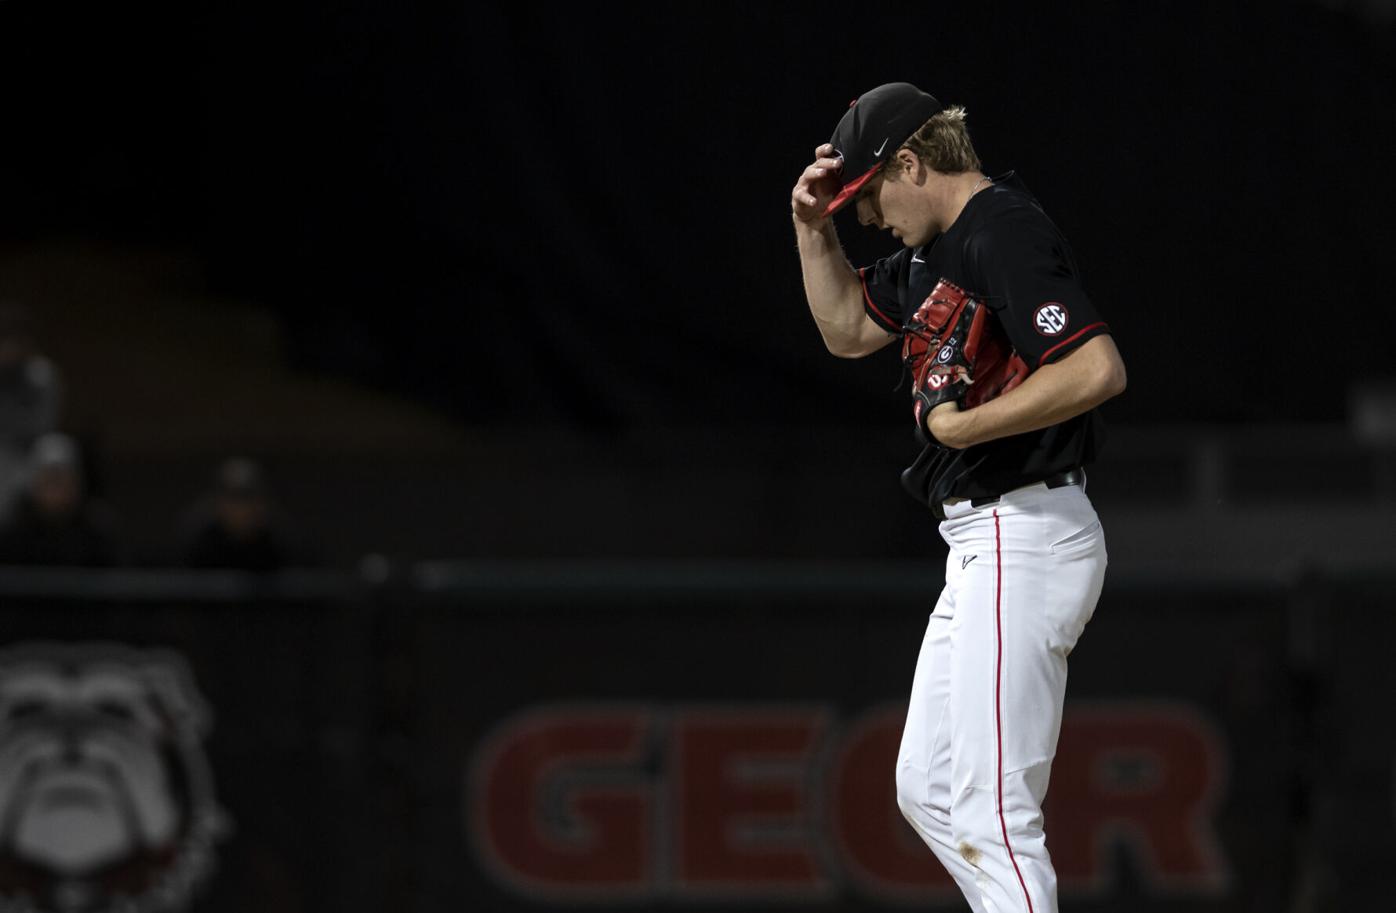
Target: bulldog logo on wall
106 800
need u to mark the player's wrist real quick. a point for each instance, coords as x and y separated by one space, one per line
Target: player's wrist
819 226
946 425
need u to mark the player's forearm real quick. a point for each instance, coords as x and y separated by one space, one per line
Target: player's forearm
1050 395
831 286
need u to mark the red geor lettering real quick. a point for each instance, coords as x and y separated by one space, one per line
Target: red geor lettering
560 807
742 813
1147 774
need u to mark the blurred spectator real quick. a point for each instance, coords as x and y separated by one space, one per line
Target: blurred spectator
237 526
53 522
29 400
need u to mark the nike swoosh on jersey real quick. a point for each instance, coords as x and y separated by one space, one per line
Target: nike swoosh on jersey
880 148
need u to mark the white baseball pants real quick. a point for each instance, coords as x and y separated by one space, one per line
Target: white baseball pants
1021 581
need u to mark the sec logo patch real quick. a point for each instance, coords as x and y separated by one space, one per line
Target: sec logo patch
1050 319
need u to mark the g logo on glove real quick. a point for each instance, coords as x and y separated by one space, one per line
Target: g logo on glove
956 353
947 351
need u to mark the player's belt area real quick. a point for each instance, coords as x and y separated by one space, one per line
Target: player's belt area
1074 476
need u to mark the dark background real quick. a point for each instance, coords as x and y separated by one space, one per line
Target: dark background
578 216
505 302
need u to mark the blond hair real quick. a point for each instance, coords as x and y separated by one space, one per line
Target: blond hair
942 143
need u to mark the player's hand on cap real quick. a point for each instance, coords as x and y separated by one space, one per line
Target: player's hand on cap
817 186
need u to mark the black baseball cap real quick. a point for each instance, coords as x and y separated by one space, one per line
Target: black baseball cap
873 129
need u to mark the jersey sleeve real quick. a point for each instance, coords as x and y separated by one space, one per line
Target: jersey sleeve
882 291
1028 277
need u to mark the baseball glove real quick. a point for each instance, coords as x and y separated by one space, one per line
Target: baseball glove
958 352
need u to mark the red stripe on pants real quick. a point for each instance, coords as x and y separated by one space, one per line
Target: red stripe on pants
998 708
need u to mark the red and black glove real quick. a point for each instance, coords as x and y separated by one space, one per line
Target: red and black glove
957 352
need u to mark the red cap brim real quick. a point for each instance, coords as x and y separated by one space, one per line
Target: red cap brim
848 190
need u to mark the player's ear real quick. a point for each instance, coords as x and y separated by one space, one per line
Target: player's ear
908 165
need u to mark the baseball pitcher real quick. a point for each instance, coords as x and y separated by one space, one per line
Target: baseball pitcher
1008 360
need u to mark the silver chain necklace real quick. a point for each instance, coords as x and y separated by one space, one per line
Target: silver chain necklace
975 189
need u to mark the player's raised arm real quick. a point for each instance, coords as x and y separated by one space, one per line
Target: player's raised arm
832 288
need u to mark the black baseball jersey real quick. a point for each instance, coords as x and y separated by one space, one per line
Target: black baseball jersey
1004 251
